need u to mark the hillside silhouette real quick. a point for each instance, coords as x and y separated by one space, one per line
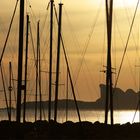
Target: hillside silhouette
127 100
123 100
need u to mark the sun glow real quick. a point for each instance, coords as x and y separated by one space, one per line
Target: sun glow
124 3
116 3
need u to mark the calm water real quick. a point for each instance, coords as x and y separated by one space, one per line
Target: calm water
86 115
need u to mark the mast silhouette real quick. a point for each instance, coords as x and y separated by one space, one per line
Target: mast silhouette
109 92
50 67
26 65
58 61
39 71
5 94
138 104
67 90
20 61
10 89
69 73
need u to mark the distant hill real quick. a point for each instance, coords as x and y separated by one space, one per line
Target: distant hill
122 101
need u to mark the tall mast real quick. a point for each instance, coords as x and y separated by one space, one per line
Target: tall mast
138 105
10 89
69 74
4 88
26 64
58 61
70 78
20 61
40 94
109 91
37 74
67 90
50 68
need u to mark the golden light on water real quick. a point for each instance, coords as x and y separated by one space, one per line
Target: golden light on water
120 117
128 116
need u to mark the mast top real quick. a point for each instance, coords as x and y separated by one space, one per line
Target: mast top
60 2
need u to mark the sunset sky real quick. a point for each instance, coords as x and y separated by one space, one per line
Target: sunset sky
84 33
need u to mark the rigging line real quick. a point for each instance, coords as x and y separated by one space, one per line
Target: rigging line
123 45
33 47
128 15
6 83
136 51
69 73
5 95
43 24
46 49
8 32
131 70
114 48
74 37
93 83
13 86
45 42
115 41
103 54
32 42
61 33
135 113
87 44
131 27
32 84
5 78
137 46
78 44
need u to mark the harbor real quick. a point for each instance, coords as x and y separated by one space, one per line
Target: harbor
48 78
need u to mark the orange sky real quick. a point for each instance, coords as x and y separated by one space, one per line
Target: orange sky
83 21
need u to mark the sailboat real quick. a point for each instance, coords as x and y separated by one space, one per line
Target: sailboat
20 64
82 129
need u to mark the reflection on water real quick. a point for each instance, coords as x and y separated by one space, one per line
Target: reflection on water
86 115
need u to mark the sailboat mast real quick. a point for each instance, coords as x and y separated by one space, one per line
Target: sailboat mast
20 61
50 68
4 88
58 61
107 79
109 90
37 74
69 74
26 64
67 90
40 94
10 89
